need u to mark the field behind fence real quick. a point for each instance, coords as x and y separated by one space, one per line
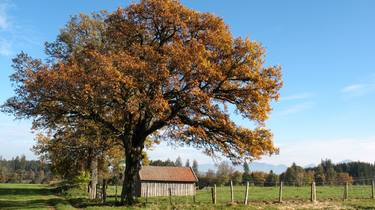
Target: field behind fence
237 194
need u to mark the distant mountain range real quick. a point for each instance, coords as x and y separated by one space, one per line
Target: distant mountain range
254 166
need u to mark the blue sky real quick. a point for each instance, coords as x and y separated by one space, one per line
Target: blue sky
326 50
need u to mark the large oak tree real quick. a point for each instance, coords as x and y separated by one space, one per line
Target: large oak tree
153 68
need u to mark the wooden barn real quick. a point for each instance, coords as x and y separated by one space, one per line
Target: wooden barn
157 180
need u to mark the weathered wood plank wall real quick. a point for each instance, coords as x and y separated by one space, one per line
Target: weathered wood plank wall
161 189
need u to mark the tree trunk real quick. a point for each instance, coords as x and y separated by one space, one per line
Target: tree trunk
133 158
94 178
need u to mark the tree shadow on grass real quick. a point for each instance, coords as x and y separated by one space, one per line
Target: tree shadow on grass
82 203
24 191
25 198
32 204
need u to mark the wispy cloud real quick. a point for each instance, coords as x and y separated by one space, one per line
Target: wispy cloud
5 47
298 96
359 89
306 152
15 35
3 16
296 108
295 103
303 152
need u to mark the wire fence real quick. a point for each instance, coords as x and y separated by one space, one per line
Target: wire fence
280 192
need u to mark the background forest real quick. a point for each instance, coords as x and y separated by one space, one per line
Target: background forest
21 170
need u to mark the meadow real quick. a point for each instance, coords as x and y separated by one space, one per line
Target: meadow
30 196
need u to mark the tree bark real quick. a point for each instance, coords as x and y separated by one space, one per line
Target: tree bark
133 158
94 178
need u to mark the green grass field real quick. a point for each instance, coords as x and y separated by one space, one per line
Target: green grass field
30 196
27 196
289 193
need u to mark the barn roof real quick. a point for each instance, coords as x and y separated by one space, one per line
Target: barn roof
167 174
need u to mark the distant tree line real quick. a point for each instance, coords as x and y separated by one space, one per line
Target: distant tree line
20 170
226 173
326 173
354 172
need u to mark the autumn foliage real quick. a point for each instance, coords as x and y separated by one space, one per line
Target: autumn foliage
153 69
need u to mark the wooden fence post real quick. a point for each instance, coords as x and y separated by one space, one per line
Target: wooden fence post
281 192
116 192
231 192
246 193
146 193
346 191
98 194
104 191
213 191
170 195
313 192
373 189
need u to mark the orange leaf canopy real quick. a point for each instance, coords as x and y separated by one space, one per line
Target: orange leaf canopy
155 67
